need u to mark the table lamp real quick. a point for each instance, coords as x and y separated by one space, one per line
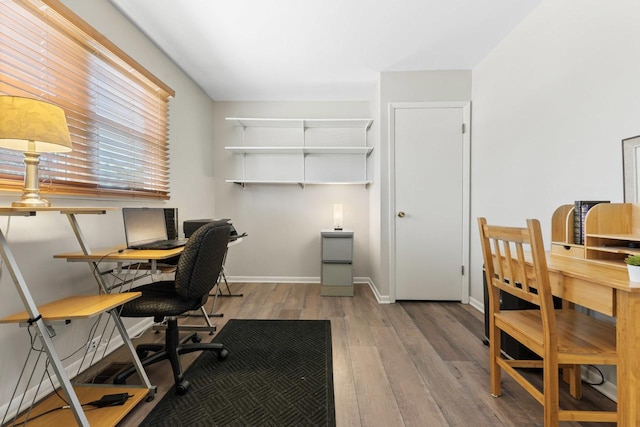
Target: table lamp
33 127
337 216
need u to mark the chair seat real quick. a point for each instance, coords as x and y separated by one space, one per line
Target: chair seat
159 297
580 337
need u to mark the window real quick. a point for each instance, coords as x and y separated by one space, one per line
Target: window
116 110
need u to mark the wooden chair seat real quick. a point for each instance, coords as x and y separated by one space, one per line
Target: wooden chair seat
562 338
581 338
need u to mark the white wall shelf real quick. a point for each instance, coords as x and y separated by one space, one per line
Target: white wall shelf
301 123
300 150
300 183
306 151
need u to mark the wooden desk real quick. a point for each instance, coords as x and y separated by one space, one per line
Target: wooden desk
113 254
121 255
606 289
137 259
75 307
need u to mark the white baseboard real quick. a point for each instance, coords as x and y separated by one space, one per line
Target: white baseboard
607 388
476 304
272 279
382 299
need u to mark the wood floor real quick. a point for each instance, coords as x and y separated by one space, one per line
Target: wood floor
405 364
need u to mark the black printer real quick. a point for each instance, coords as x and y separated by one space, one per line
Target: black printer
191 225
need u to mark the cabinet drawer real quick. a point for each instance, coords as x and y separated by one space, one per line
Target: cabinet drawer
566 250
337 275
337 249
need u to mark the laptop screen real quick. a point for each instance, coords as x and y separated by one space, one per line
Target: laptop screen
144 225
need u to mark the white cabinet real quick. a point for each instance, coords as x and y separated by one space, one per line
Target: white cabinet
337 263
300 151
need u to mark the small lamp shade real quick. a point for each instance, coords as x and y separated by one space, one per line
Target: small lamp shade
30 125
33 127
337 216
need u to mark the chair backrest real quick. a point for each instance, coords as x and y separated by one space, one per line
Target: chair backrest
201 260
506 251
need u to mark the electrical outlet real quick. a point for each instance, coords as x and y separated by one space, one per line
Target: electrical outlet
93 344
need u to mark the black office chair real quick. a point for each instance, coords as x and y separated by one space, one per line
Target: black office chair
197 272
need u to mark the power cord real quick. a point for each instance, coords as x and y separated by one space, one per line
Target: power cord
599 372
105 401
96 264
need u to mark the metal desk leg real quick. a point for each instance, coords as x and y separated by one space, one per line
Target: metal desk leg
219 292
114 314
43 333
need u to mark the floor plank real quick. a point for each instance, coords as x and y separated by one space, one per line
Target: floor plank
405 364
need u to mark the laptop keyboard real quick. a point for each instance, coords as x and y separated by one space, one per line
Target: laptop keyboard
165 244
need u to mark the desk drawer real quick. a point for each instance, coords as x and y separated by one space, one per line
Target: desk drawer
586 294
567 250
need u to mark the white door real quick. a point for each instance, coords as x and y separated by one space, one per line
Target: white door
429 189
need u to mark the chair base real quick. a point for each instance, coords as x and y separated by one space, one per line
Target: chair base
171 350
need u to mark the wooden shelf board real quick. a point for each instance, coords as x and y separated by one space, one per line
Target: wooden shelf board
615 249
75 307
114 254
629 237
97 417
26 211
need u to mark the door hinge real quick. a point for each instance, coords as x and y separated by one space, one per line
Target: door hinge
462 270
464 128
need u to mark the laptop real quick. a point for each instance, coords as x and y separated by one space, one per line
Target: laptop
145 228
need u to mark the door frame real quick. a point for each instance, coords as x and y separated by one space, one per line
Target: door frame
465 106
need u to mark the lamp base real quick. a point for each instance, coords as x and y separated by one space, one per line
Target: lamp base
31 192
31 203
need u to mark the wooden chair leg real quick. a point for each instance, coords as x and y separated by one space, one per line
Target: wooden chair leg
494 369
573 377
551 397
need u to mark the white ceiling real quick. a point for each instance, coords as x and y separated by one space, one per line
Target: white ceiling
319 49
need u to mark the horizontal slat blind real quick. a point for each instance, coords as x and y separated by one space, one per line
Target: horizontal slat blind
116 110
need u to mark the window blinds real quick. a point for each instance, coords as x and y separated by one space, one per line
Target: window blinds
116 110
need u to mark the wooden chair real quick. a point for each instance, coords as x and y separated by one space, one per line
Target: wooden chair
563 338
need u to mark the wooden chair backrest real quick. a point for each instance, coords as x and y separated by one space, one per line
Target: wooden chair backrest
505 252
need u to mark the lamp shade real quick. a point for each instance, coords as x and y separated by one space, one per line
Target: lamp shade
28 124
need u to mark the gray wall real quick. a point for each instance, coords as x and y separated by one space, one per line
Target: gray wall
284 221
551 105
35 240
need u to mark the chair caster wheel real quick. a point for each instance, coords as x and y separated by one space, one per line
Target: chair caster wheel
183 387
196 339
223 354
149 398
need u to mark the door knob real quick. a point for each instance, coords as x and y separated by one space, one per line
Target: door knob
401 214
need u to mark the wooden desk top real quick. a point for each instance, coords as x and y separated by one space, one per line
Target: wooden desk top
600 273
114 254
76 307
26 211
